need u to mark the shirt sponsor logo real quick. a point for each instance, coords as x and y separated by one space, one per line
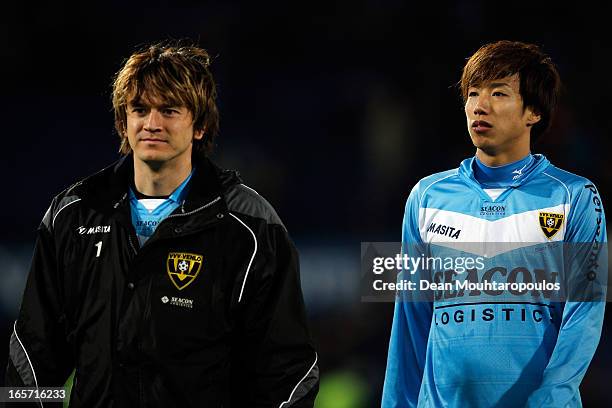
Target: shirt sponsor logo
183 268
495 281
550 223
146 227
147 223
529 314
177 301
481 287
444 230
98 229
493 209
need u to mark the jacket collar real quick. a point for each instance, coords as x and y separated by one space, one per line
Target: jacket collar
109 187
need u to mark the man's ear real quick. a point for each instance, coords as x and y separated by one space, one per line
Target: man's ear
532 117
199 134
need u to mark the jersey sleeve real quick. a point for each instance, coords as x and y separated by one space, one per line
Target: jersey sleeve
583 313
411 323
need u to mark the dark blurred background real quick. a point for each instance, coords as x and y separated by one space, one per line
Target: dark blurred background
332 111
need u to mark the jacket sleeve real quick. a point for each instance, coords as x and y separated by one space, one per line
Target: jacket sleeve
275 351
39 354
411 324
582 319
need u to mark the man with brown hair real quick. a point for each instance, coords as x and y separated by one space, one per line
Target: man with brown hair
162 280
497 344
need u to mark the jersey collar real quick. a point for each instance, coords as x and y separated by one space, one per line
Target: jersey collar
466 171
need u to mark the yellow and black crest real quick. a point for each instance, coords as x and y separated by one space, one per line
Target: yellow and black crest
183 268
551 223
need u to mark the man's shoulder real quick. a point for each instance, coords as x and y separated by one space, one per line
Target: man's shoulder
242 199
571 182
98 181
72 196
436 179
60 203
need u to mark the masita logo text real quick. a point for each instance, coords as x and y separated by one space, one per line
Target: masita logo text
98 229
445 230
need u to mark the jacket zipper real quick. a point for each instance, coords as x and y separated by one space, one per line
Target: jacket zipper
139 373
209 204
184 214
132 243
193 211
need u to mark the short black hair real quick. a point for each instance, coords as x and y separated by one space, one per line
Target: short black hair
540 84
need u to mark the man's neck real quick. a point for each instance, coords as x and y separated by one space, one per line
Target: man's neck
162 180
496 159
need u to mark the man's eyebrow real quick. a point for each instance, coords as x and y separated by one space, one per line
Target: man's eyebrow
141 104
137 103
492 85
499 84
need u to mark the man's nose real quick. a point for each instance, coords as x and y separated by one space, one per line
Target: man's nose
153 121
481 107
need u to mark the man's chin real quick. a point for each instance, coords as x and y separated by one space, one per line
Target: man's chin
152 159
484 143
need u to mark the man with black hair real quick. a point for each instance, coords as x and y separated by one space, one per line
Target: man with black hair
502 347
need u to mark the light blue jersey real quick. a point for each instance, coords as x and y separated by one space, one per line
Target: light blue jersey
461 350
148 213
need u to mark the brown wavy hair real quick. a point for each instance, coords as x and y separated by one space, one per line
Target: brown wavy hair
540 84
175 73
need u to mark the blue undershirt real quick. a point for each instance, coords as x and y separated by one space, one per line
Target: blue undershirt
502 176
147 213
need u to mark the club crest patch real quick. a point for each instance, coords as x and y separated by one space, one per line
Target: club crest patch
183 268
551 223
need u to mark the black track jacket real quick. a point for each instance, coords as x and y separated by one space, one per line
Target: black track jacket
208 313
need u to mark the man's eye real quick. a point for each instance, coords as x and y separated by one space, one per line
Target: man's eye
170 112
497 93
138 111
472 93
